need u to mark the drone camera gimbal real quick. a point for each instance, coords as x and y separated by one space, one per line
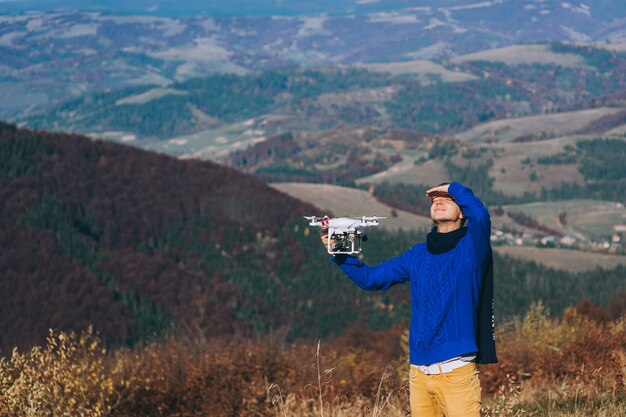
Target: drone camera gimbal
346 242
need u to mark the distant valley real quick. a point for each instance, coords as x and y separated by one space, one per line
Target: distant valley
54 50
514 127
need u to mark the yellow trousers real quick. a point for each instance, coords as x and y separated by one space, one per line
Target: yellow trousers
452 394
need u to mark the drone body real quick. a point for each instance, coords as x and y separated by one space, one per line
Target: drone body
344 233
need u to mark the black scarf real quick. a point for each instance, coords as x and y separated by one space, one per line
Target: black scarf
438 243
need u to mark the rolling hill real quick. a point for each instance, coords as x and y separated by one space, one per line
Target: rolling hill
436 98
142 245
100 233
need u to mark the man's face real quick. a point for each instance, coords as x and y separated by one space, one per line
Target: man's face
444 209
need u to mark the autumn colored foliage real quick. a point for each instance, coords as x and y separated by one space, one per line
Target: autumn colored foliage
568 366
89 232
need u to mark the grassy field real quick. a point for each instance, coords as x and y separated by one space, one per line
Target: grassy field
513 174
366 95
408 172
514 168
568 260
556 124
212 144
588 219
424 68
523 54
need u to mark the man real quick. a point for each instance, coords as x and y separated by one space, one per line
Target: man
451 278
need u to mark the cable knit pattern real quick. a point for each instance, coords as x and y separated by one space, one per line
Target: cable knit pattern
435 288
448 314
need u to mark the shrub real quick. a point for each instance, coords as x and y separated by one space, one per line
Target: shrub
64 378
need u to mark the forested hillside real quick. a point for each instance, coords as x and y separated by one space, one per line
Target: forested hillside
86 234
141 245
203 102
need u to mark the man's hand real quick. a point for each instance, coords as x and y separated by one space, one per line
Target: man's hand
438 191
324 238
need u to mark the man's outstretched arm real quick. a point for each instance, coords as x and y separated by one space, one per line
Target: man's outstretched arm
379 277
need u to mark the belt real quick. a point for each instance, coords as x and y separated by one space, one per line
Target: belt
442 368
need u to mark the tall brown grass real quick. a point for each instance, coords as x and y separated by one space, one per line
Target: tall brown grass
571 366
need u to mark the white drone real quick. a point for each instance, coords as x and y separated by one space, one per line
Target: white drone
344 233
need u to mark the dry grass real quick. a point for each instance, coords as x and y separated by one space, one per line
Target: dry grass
421 67
523 54
432 171
551 125
573 366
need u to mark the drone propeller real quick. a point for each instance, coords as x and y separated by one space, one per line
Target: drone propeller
364 217
315 218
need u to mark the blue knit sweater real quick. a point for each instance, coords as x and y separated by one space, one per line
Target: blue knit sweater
447 289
